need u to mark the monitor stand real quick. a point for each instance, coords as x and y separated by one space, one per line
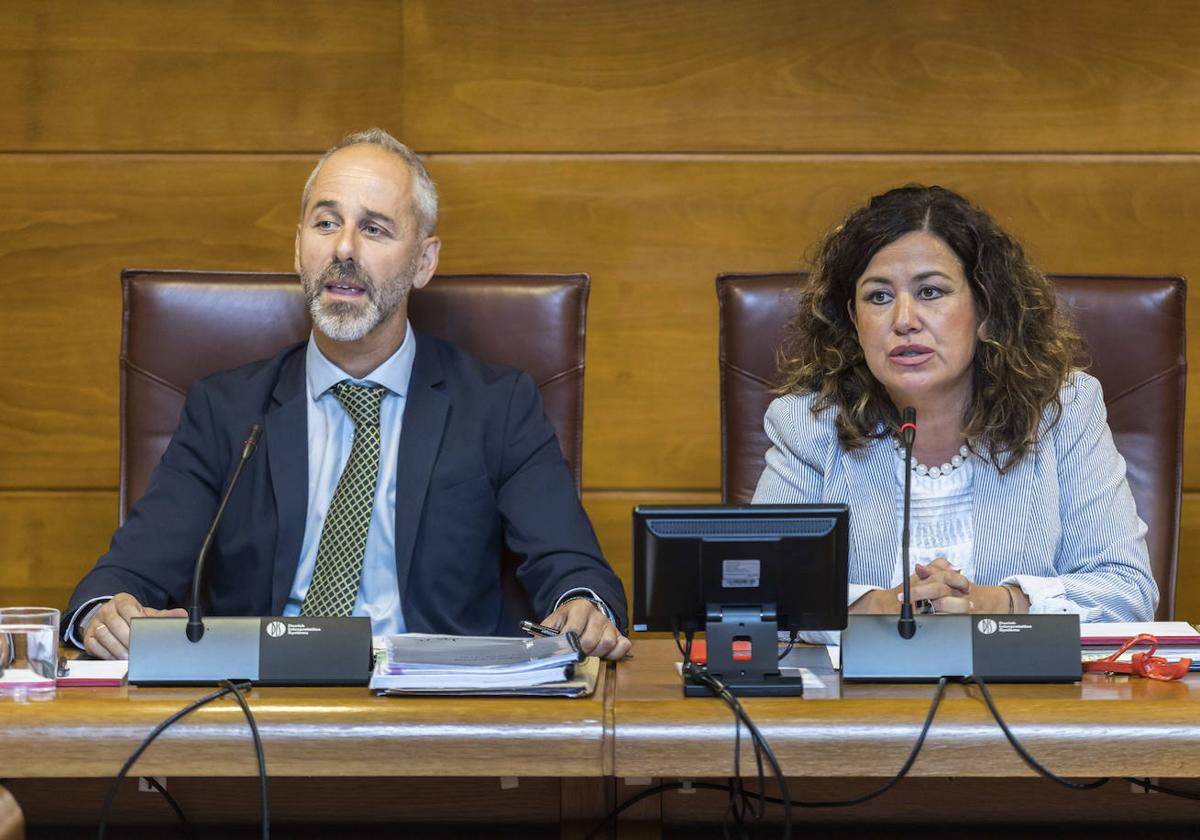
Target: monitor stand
747 673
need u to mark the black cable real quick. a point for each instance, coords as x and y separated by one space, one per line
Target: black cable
908 762
137 753
1148 786
1021 751
760 743
741 802
835 803
183 820
227 687
791 643
653 790
718 687
258 754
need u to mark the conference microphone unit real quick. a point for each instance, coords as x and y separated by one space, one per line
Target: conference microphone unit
301 650
997 648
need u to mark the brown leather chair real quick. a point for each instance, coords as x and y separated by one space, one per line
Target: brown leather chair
1134 329
12 821
183 325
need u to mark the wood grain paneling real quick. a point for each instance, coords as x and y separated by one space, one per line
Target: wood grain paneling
142 75
1187 579
72 224
48 540
611 512
768 120
864 76
653 234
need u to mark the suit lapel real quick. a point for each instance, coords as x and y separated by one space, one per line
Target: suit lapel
874 540
287 454
999 516
425 413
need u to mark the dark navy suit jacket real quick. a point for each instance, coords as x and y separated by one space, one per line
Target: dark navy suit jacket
479 466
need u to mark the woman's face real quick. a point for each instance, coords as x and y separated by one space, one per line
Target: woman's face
917 323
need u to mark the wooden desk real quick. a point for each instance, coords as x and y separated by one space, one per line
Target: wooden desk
89 732
332 754
844 740
1103 726
335 754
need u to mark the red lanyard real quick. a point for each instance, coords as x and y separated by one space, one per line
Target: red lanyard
1141 664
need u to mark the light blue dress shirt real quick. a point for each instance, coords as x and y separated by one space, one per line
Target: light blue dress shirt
330 438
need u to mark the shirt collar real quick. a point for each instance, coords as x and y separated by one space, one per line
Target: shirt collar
394 373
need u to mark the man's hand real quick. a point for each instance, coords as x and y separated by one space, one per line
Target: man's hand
597 635
107 634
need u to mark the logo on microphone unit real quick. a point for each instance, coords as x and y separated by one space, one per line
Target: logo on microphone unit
275 629
987 626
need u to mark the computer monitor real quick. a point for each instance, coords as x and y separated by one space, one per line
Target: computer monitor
741 573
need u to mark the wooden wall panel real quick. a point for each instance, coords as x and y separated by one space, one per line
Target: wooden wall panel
862 76
49 540
1187 580
72 223
653 234
134 75
650 144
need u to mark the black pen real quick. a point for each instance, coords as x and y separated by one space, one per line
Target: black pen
535 629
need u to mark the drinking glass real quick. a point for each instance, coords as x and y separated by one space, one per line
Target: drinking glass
28 652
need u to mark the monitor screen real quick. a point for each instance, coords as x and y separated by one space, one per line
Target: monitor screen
690 561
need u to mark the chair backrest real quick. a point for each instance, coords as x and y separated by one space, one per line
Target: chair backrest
1134 329
183 325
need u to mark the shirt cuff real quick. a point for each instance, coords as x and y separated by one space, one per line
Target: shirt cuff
854 591
82 616
584 592
1047 595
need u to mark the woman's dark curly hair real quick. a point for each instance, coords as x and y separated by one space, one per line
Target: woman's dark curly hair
1028 345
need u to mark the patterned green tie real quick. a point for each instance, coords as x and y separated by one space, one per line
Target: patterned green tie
338 571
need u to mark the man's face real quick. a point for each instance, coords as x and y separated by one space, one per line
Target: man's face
358 251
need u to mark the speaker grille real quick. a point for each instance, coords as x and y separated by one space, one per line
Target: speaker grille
766 527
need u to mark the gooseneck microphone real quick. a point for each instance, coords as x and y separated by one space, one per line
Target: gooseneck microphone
195 623
907 625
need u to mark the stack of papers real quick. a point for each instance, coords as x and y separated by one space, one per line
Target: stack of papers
420 663
1176 640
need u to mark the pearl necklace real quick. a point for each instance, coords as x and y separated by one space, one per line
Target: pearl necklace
933 472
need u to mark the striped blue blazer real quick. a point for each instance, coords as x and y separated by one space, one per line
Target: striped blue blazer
1065 511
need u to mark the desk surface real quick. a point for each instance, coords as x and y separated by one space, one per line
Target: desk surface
89 732
1102 726
636 725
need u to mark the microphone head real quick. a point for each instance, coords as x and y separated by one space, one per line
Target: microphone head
908 425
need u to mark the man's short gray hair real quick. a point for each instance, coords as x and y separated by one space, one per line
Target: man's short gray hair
425 197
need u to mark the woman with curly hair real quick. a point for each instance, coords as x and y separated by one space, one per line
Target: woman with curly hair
1019 497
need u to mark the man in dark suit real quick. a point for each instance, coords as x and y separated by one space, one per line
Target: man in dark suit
392 467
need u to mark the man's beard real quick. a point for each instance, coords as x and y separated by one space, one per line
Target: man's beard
352 320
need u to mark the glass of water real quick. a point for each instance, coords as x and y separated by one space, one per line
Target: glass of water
28 652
